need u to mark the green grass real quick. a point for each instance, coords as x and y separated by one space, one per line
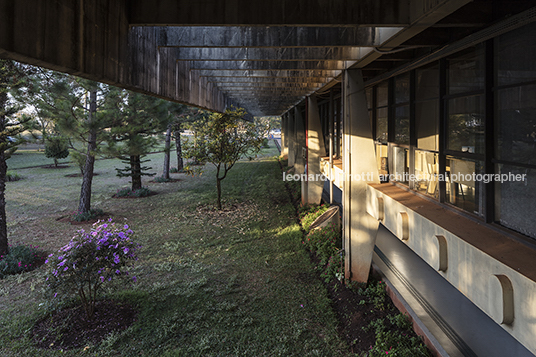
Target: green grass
210 283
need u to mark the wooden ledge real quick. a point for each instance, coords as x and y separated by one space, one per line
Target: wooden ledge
517 255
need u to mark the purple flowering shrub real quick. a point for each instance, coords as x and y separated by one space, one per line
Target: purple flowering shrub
91 259
326 244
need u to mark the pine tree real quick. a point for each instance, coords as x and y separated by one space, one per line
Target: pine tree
12 76
138 119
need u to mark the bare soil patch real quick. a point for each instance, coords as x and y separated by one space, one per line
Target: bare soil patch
70 328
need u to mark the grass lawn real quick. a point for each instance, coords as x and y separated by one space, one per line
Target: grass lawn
232 283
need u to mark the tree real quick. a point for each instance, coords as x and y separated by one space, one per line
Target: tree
72 107
222 141
137 120
56 148
181 115
12 76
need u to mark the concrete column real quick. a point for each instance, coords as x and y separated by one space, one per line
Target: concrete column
315 150
360 168
301 150
284 135
291 138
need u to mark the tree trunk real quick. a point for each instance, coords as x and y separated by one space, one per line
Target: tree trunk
218 186
135 170
4 246
180 163
165 174
84 204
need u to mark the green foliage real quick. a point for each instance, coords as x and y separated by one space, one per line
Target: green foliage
79 159
174 170
87 216
13 176
20 258
394 342
90 260
308 214
56 147
127 192
161 179
222 140
265 143
375 293
138 120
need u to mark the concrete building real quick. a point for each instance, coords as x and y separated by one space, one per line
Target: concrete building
422 114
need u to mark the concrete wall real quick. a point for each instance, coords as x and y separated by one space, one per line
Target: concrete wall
479 276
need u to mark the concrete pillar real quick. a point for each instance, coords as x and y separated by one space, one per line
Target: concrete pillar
359 228
284 136
315 150
291 138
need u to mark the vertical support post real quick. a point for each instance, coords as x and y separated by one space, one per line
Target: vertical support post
291 139
359 157
331 117
284 135
315 150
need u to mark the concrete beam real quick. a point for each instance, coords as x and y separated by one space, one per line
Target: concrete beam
266 54
268 65
274 12
270 73
269 37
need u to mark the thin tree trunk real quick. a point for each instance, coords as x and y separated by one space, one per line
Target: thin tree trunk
218 186
4 246
84 204
135 167
167 150
180 162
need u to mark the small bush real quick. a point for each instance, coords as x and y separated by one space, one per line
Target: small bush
87 216
265 143
20 258
174 170
308 214
90 260
161 179
13 176
127 192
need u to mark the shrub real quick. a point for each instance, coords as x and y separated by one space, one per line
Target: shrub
20 258
174 170
13 176
161 179
309 214
90 260
87 216
127 192
324 242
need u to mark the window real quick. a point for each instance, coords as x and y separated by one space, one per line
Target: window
515 130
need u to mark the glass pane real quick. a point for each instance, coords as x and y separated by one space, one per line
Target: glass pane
382 94
515 199
463 188
427 121
426 173
402 88
381 125
381 159
466 124
466 70
427 82
402 125
400 164
516 124
514 55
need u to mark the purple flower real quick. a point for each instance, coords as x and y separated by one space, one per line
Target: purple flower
116 259
125 250
135 279
102 279
125 226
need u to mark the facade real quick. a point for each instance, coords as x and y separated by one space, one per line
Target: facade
421 114
436 163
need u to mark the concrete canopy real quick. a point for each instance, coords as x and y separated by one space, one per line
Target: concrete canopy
275 53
